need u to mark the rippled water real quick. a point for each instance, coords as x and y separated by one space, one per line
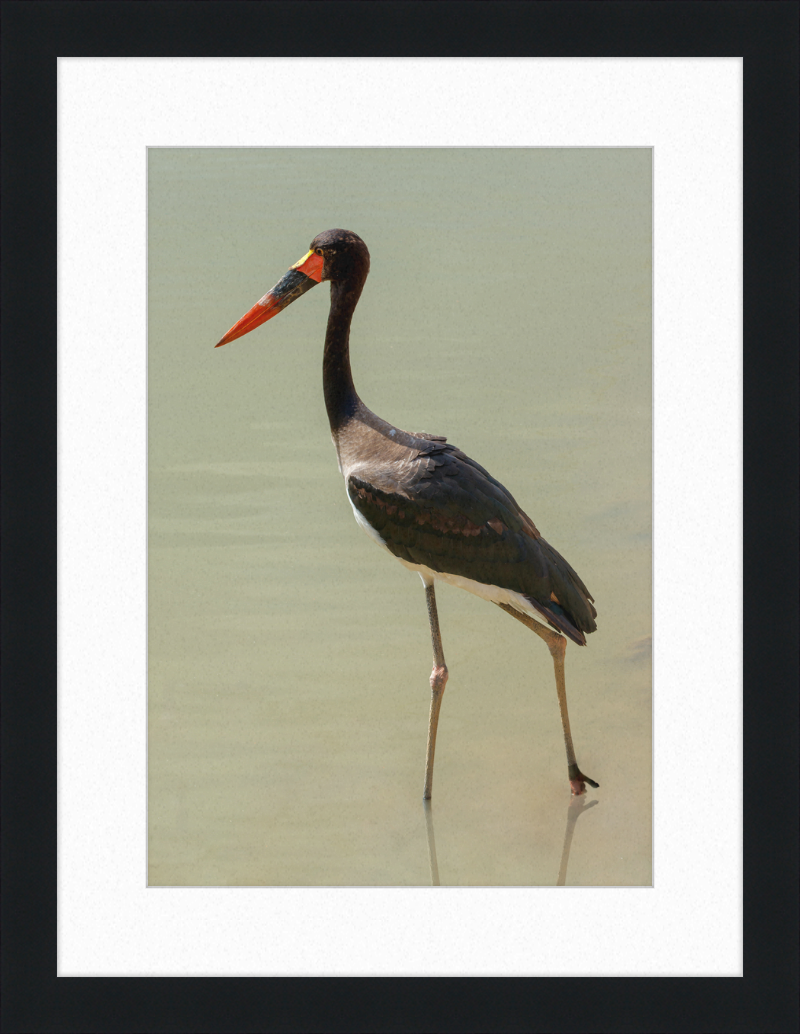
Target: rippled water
508 307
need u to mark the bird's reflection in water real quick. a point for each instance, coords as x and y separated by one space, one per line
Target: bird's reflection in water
426 805
577 806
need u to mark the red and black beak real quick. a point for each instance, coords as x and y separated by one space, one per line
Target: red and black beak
303 275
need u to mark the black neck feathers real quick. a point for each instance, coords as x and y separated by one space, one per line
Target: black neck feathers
341 399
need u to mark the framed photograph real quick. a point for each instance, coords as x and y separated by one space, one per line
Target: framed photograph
243 677
243 498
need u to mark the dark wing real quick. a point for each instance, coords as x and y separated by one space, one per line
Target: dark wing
451 515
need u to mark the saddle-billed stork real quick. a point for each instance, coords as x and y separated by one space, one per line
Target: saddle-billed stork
435 509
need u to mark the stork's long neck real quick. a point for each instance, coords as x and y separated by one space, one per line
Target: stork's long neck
341 399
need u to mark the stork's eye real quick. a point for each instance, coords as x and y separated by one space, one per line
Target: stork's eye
319 251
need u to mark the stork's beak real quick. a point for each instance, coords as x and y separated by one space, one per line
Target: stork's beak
303 275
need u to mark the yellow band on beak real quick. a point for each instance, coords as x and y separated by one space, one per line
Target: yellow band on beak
305 258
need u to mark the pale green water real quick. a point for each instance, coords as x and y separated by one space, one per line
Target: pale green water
509 308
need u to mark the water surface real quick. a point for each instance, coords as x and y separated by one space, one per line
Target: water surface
508 307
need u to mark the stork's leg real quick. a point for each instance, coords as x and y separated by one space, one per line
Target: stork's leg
557 645
438 682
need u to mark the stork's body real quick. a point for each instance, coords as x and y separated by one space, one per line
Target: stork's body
439 512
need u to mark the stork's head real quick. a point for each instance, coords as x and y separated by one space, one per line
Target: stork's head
336 255
344 254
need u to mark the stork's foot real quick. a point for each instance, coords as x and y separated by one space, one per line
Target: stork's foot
578 781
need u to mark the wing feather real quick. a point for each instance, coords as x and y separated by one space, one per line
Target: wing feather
447 512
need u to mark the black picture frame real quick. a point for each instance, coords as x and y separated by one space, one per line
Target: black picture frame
766 36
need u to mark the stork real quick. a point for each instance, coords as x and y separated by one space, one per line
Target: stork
423 500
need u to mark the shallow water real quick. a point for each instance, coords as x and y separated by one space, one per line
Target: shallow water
508 307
